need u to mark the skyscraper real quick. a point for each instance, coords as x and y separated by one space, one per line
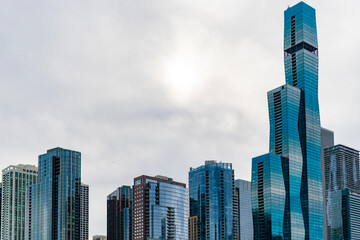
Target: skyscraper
243 197
294 136
327 140
119 214
341 172
84 212
161 208
15 181
211 192
54 202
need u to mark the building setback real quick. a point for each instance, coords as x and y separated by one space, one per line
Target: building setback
15 181
119 214
295 137
160 208
84 212
212 198
54 202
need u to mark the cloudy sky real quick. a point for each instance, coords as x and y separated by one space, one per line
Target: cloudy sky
158 86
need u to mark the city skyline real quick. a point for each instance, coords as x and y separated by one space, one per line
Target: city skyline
222 116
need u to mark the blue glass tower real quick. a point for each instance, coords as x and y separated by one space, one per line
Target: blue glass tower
211 192
243 202
54 202
295 132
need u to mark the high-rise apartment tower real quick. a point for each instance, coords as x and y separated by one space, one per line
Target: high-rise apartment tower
54 202
294 137
84 212
15 181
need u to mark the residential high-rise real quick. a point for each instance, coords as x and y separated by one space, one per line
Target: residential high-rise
84 212
341 172
160 208
0 205
327 140
54 202
344 214
211 192
243 196
13 204
267 204
119 214
295 137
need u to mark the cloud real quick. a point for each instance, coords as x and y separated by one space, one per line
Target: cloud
157 87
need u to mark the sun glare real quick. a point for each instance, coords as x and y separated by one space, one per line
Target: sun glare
182 76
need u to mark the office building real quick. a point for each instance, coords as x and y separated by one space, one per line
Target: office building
341 172
161 208
244 210
119 214
327 140
295 137
211 192
84 212
344 214
54 202
15 181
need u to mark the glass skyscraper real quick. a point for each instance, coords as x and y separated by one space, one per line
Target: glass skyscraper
344 214
15 181
211 192
244 212
119 214
341 172
54 202
294 137
84 212
161 208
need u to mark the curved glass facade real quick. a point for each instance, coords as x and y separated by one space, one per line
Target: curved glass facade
295 133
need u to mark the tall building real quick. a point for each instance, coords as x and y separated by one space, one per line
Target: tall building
0 205
344 215
54 202
295 136
15 181
211 192
84 212
119 214
341 172
268 197
160 208
243 196
327 140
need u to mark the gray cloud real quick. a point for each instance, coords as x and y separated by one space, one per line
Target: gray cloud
156 87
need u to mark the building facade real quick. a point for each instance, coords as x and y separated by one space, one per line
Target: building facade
327 140
119 214
15 181
243 197
268 197
54 202
161 208
295 136
84 212
211 193
99 237
344 215
341 172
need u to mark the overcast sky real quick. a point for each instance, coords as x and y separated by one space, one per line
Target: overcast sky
158 86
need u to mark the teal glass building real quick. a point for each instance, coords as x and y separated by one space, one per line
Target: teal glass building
54 202
119 214
211 192
295 136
